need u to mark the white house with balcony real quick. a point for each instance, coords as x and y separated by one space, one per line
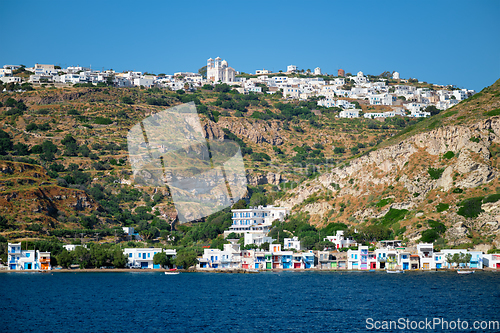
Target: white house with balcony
256 219
26 260
143 257
425 252
380 99
360 259
228 258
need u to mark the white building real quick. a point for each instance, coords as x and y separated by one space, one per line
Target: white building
228 258
395 76
26 260
360 259
257 239
262 71
491 260
143 257
425 252
72 247
349 113
292 243
380 99
291 92
256 219
40 69
340 241
219 71
317 71
145 81
291 69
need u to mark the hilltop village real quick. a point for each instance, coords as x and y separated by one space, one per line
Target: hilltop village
344 91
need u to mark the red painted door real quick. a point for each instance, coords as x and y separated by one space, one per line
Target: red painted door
373 265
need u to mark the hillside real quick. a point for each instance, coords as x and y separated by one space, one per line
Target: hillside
353 171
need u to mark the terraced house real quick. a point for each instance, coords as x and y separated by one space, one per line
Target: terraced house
27 260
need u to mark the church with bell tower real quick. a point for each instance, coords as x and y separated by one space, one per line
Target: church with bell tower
219 71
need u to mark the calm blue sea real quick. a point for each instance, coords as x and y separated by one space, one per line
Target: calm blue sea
264 302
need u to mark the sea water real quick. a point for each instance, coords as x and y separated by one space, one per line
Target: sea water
264 302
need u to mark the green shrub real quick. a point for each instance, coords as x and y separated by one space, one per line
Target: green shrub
449 155
492 113
438 226
383 202
127 100
492 198
335 186
435 173
441 207
393 216
457 190
429 236
449 114
474 139
102 121
471 207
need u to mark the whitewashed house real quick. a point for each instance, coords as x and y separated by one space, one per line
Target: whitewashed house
340 241
292 243
425 252
349 113
143 257
291 69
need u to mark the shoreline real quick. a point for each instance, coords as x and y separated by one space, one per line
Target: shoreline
226 271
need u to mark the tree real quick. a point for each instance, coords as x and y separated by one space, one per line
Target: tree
5 142
432 109
98 255
161 259
82 257
127 100
48 150
203 72
186 258
119 258
64 258
258 199
84 150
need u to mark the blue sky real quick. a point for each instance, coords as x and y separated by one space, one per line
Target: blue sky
445 42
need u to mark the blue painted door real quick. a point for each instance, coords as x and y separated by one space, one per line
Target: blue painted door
438 266
144 265
405 265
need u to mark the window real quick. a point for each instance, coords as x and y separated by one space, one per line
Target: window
130 255
27 255
149 255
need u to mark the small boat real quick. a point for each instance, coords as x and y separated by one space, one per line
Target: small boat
171 273
394 271
252 270
464 272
